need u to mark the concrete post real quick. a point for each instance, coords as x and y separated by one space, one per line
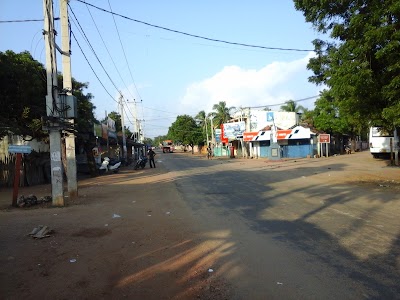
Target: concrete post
124 150
53 107
67 85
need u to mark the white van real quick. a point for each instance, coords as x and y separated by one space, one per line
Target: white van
379 141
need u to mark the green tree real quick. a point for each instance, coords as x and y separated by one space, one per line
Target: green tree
291 106
148 141
201 119
22 96
85 119
186 131
327 116
118 123
221 114
361 62
159 139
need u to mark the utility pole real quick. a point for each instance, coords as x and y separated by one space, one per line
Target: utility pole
205 120
212 130
108 140
53 107
123 127
67 85
135 122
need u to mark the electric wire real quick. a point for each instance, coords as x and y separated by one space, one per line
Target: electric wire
105 45
194 35
300 100
24 21
84 55
50 28
123 50
94 52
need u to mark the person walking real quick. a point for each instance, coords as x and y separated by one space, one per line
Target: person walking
151 155
209 152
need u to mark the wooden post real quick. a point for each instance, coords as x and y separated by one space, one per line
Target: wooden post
16 178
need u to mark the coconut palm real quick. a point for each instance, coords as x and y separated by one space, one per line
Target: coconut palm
201 121
200 118
291 106
221 114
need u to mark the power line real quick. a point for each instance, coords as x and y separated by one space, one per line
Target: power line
104 43
94 52
304 99
194 35
92 67
24 21
123 50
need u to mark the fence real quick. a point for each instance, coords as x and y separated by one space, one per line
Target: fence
35 169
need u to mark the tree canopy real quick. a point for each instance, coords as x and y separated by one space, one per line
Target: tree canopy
23 85
186 131
292 106
361 62
201 119
23 90
221 114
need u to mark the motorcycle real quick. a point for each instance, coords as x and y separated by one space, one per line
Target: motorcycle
141 163
107 167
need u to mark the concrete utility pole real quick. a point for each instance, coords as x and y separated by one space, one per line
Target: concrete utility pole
212 130
67 85
53 107
135 122
205 121
124 150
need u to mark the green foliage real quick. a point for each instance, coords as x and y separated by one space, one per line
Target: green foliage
326 115
22 97
148 141
291 106
329 117
362 66
186 131
24 88
85 119
118 123
158 139
221 114
203 123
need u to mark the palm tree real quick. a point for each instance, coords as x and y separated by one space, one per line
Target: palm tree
291 106
200 118
201 121
221 114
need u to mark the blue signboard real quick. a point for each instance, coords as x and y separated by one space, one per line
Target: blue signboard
270 116
19 149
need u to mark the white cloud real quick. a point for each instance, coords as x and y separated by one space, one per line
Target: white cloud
275 83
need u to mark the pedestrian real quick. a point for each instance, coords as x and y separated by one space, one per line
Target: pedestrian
151 155
209 152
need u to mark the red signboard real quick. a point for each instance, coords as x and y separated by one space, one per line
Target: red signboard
281 134
248 136
324 138
223 138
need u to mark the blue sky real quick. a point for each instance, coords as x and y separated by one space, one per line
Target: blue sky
169 74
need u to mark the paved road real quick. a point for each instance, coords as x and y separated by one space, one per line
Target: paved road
305 229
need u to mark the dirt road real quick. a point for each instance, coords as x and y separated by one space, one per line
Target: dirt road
137 235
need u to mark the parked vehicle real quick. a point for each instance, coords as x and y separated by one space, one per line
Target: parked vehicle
107 166
382 142
168 146
141 163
